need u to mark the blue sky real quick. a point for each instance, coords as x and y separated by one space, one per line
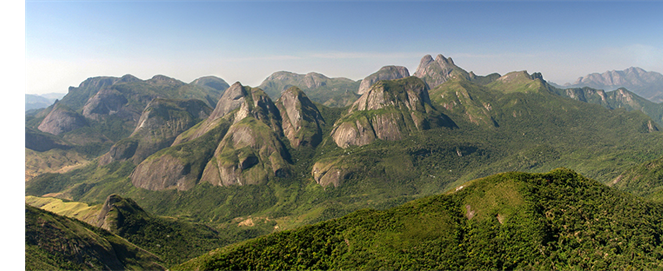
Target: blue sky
69 41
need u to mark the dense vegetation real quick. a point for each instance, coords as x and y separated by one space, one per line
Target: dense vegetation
644 180
54 242
555 220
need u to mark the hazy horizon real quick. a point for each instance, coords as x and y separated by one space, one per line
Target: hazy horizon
67 42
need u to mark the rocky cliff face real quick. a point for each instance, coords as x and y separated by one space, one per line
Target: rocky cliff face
61 119
107 101
385 73
387 111
301 120
160 123
249 150
438 71
112 106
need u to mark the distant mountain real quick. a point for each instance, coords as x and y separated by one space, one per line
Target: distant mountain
211 82
103 110
33 101
620 98
646 84
554 220
159 124
318 87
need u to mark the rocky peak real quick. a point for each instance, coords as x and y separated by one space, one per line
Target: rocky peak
387 111
61 119
410 94
385 73
251 152
438 71
231 99
301 120
115 210
97 82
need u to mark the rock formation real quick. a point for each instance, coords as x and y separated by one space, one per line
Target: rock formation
385 73
438 71
301 120
61 119
244 137
160 123
388 111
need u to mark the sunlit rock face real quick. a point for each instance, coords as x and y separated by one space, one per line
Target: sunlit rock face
388 111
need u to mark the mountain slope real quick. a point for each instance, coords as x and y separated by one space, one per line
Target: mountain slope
57 242
556 220
644 180
160 123
620 98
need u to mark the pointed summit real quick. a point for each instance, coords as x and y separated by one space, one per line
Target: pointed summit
231 99
435 72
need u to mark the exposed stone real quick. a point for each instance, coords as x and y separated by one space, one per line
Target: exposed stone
301 120
61 120
387 111
385 73
435 72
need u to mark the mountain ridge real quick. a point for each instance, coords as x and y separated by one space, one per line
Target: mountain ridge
646 84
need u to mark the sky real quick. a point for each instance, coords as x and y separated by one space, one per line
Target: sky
69 41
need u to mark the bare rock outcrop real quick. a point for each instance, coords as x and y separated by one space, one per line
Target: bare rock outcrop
160 123
107 101
251 151
385 73
437 71
330 172
388 111
61 119
167 172
301 120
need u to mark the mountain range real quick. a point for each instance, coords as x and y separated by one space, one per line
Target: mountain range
33 102
233 162
646 84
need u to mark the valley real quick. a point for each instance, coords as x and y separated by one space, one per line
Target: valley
356 175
